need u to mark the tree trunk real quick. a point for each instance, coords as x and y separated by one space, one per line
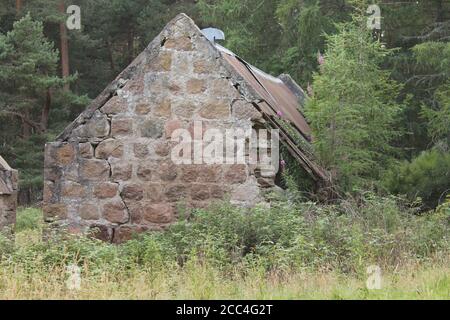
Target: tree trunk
18 6
26 127
439 11
130 44
111 57
64 46
46 111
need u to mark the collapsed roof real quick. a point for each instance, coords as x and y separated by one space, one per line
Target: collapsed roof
280 98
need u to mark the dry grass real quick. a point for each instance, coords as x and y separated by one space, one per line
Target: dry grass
30 278
200 282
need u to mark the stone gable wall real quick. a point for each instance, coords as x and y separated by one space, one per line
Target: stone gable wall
8 200
114 171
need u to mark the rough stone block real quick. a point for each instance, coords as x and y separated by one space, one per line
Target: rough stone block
101 232
115 212
109 148
89 211
245 111
167 171
218 191
221 88
189 173
176 193
162 63
121 126
209 173
106 190
132 192
57 211
152 128
49 191
195 86
171 126
247 193
200 192
95 170
140 150
65 154
71 189
158 213
115 105
181 43
184 109
142 108
236 173
153 192
95 127
162 149
203 66
86 150
52 173
163 109
125 233
121 170
215 110
144 172
266 182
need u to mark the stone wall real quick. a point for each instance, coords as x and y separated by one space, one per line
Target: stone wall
8 197
113 171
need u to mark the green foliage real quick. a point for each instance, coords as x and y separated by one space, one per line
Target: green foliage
293 31
29 219
353 108
305 24
346 237
427 177
436 57
30 87
439 117
27 66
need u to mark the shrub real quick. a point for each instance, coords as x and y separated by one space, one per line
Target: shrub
29 219
346 236
427 177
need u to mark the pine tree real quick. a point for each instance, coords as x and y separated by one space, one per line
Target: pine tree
353 108
435 56
28 71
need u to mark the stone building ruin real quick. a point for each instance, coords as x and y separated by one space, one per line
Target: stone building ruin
8 195
111 169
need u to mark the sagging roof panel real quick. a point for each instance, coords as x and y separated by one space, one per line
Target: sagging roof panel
274 91
278 97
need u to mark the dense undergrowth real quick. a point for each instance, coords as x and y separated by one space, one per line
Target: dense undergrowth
345 237
290 250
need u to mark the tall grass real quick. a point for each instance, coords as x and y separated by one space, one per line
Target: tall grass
302 250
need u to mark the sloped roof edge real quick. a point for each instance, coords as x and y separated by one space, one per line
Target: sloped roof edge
4 165
151 50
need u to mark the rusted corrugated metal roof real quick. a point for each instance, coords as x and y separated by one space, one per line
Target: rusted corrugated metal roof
278 98
273 90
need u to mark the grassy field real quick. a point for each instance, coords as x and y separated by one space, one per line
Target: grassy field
200 282
196 280
146 269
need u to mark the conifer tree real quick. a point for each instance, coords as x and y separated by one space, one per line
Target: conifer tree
353 108
28 71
